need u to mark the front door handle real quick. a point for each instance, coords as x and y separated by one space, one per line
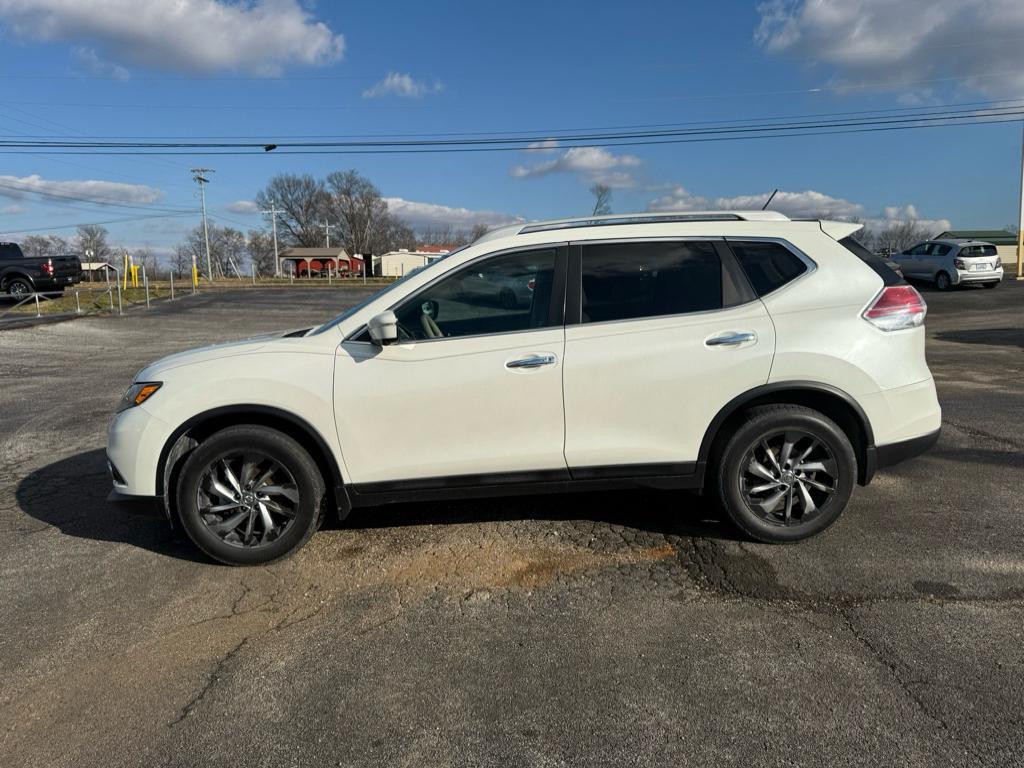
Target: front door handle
532 361
730 339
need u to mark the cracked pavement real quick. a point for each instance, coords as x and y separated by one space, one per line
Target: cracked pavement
627 628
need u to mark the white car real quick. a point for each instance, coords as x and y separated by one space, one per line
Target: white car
952 262
774 363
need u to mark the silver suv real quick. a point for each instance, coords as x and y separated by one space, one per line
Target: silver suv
951 262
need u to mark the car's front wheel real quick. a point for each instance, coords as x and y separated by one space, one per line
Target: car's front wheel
786 473
249 495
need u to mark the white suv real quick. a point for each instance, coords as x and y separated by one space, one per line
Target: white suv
774 363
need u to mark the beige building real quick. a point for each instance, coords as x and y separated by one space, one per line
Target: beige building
402 262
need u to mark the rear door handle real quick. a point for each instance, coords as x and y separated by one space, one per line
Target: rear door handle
532 361
730 339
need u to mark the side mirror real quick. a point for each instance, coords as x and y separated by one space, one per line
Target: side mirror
383 328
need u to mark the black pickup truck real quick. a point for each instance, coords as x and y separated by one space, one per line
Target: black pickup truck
21 275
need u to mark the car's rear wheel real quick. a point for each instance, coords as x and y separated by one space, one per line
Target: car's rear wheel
507 298
18 287
786 473
943 281
249 495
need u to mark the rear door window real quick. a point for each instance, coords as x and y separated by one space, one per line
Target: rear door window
769 266
978 250
627 281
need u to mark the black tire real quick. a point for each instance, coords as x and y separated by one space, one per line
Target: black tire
18 287
507 299
992 285
734 481
943 281
267 445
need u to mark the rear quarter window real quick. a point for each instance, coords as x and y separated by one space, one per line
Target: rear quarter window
877 264
769 266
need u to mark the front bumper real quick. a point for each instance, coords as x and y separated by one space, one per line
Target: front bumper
135 439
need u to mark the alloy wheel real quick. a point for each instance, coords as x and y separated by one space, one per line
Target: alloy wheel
788 477
247 499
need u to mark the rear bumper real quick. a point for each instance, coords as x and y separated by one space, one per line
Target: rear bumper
987 276
882 456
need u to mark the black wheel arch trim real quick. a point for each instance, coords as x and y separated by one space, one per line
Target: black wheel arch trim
178 445
866 458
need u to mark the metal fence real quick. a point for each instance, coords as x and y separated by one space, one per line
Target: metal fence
108 299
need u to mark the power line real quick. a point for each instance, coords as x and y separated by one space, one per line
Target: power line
95 223
520 142
652 139
553 132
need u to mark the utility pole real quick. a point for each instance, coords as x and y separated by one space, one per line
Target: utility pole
274 210
202 181
1020 212
327 231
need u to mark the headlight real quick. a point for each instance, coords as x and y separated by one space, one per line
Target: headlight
137 394
959 264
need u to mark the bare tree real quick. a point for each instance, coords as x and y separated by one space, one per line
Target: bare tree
181 261
93 237
302 201
228 250
41 246
900 235
144 257
355 203
602 199
260 247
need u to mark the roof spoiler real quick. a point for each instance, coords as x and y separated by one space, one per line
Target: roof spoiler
837 230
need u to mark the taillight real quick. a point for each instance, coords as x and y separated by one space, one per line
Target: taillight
48 267
895 308
959 263
531 284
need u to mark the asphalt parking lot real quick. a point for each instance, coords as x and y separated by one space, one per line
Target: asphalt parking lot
612 629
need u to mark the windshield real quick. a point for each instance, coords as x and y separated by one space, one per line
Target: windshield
334 322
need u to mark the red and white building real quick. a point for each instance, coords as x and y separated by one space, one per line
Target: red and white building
314 262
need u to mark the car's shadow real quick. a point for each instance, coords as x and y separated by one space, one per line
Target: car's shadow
71 495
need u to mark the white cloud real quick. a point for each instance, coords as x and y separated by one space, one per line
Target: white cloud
243 206
418 215
195 36
401 85
89 190
92 64
809 204
594 164
888 43
14 208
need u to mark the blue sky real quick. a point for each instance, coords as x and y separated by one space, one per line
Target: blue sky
275 69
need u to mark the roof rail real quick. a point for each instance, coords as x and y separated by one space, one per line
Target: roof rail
653 218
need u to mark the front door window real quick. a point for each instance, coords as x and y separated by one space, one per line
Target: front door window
502 294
